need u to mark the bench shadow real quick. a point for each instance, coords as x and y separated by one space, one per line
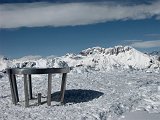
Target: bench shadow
77 96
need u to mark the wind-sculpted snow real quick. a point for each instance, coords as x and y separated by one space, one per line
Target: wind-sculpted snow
89 96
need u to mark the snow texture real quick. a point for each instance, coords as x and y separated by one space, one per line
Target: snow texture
89 96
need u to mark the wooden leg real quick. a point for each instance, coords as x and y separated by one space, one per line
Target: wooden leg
49 89
26 91
15 88
30 87
63 87
12 90
39 98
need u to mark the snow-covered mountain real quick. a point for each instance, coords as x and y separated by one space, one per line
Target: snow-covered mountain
123 57
156 54
96 59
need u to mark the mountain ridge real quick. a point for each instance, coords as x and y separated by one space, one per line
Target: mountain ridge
90 59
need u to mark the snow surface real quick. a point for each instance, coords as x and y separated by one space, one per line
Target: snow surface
89 96
104 84
141 115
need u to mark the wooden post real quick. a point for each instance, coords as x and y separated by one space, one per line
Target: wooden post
63 87
11 86
26 91
15 87
39 98
30 87
49 89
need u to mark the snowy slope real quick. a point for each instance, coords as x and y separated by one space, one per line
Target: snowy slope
91 59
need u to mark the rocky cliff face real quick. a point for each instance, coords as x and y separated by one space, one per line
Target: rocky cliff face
107 51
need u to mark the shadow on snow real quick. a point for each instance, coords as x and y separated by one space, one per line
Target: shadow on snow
77 95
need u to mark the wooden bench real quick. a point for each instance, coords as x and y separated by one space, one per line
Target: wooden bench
27 72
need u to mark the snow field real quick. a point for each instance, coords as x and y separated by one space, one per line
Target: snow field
90 96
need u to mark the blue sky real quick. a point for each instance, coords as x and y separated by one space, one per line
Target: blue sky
53 28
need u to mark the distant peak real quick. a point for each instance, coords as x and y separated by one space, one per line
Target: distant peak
155 53
108 51
3 57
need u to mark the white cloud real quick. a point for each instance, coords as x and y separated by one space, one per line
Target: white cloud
146 44
153 35
131 41
70 14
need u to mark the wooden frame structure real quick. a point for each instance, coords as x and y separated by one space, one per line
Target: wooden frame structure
27 72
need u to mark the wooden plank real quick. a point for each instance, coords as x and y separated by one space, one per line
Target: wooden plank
63 87
26 91
15 88
39 70
49 89
30 87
